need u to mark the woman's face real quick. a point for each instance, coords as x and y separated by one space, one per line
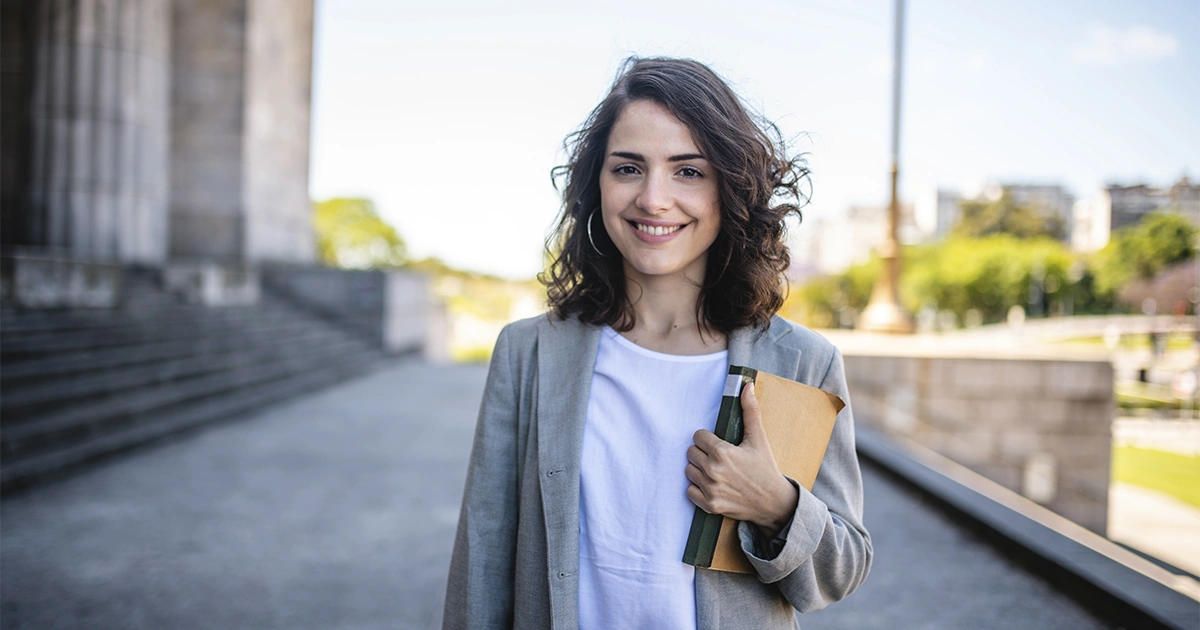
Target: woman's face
658 194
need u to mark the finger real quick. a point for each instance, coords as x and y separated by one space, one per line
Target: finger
751 416
696 476
697 456
696 496
707 441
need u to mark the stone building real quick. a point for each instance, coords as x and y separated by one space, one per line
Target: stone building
943 208
157 264
1128 204
1116 207
1051 200
157 132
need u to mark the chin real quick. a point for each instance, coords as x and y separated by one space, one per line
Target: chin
653 267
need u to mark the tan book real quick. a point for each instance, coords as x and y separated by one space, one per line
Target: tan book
798 420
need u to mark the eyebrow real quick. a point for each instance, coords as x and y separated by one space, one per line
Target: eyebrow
674 158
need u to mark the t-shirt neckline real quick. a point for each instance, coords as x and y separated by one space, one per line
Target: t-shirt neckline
663 356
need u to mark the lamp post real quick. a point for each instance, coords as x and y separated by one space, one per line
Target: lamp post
884 312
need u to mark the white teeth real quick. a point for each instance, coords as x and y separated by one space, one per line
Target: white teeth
658 230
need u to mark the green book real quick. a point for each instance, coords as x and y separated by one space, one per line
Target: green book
702 539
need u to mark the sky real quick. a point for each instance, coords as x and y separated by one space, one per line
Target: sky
450 115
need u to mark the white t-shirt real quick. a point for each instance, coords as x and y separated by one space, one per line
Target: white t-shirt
634 514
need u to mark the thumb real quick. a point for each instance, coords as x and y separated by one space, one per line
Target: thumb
753 431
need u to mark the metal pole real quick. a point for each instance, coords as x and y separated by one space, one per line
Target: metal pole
884 312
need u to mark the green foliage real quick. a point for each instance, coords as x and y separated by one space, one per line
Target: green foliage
351 235
824 301
988 275
1141 250
1003 216
436 268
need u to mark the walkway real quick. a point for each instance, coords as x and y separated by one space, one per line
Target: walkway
338 511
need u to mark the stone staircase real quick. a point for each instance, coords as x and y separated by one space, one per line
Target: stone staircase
80 385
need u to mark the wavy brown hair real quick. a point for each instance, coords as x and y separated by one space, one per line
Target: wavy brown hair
758 182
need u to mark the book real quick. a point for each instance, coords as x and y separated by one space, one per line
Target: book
798 420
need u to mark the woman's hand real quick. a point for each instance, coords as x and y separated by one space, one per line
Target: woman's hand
741 482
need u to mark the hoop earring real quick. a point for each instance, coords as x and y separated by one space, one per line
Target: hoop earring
589 233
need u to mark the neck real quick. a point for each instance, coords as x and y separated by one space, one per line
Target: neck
665 314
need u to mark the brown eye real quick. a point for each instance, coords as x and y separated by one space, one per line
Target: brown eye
690 172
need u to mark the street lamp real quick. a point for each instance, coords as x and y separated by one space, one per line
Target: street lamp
884 312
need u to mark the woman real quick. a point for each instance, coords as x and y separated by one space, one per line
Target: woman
593 441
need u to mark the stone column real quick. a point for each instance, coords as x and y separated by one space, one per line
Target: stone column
278 96
99 129
241 100
16 59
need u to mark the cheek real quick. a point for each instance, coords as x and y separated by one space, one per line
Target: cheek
712 220
611 201
714 229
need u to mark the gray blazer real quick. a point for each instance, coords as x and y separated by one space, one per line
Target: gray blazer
516 553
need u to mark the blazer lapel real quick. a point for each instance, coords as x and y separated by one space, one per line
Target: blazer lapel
566 357
768 352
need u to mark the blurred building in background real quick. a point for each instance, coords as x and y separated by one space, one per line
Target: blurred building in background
941 211
830 245
1128 204
851 239
157 263
147 131
1116 206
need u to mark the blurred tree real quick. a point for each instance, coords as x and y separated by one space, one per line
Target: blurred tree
433 266
1003 216
1143 249
351 235
987 275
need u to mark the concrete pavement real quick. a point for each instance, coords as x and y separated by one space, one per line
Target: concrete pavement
338 511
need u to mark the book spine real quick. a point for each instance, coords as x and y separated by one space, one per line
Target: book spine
702 538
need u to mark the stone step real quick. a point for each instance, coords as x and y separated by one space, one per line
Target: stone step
18 323
19 374
124 328
21 403
15 475
41 346
23 322
91 421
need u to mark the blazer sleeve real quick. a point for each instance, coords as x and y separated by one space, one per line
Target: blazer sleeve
826 551
479 591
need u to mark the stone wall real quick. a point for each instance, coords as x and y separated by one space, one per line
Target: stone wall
390 308
1038 427
41 280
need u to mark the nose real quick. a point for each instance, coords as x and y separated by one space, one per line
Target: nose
655 196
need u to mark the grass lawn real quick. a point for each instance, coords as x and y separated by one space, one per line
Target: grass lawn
1169 473
1175 341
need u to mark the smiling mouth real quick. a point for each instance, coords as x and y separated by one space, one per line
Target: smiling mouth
656 230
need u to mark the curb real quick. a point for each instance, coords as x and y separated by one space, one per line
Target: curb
1112 581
